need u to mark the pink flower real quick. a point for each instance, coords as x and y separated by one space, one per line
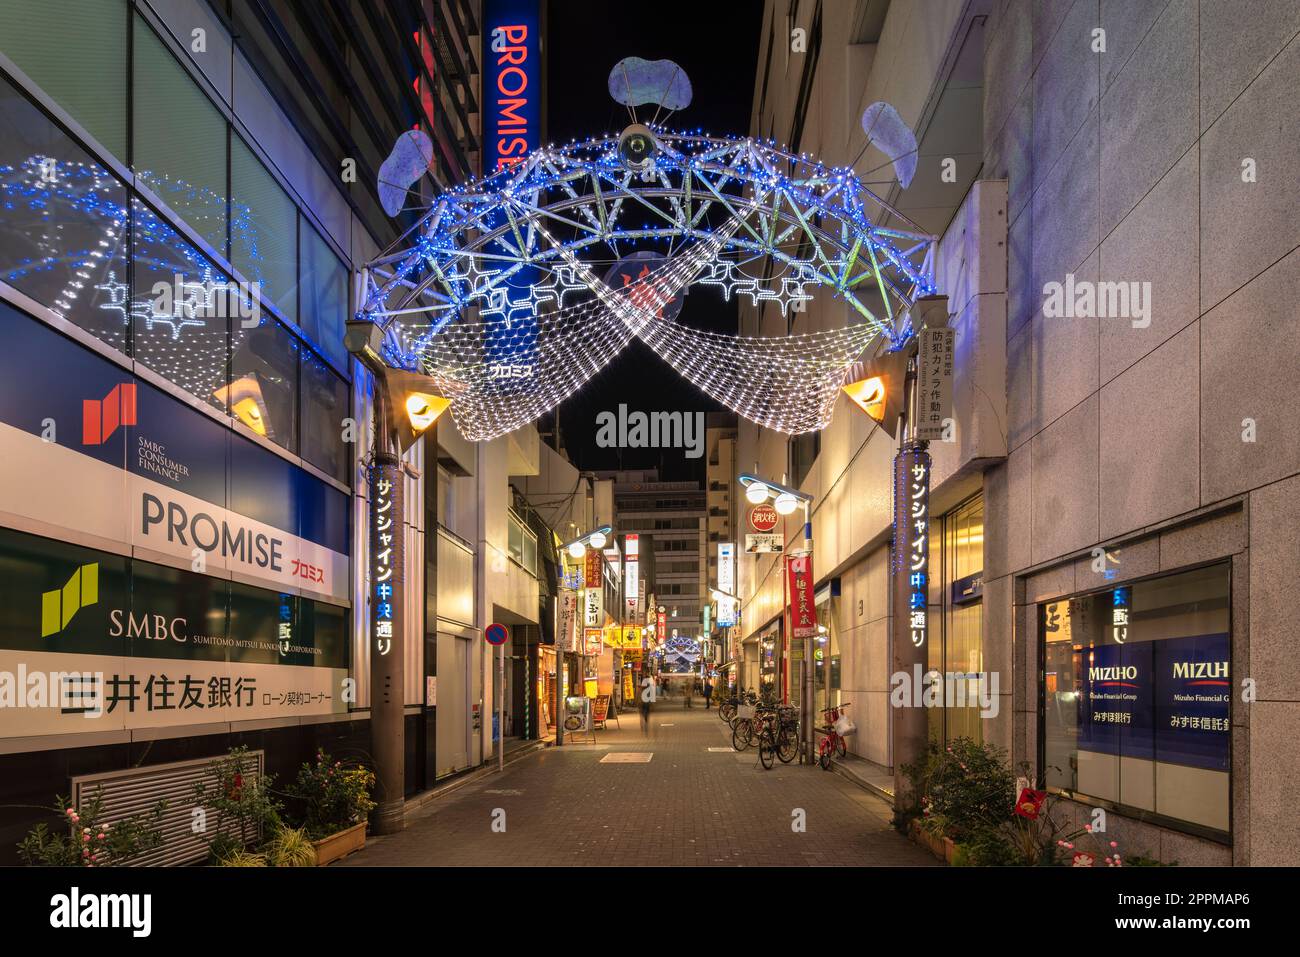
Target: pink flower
1114 844
1088 828
85 838
101 835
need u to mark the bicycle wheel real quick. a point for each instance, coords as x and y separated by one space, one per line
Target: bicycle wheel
787 746
740 735
824 758
727 712
766 752
841 749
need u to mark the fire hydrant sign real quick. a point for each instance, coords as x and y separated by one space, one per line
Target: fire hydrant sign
934 383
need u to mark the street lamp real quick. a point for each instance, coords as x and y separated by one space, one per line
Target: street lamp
406 406
596 538
785 500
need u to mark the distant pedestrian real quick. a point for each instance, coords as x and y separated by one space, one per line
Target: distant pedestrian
690 691
646 694
708 691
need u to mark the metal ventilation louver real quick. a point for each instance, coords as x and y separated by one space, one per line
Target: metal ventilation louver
136 791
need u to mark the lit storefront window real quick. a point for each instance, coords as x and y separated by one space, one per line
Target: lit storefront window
956 601
1136 691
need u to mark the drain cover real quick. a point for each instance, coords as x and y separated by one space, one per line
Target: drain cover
627 757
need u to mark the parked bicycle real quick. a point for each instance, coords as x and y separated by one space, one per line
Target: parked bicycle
727 710
838 726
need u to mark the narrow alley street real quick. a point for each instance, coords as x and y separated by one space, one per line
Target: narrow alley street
694 801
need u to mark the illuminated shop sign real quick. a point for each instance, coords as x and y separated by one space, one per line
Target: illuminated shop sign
512 63
512 120
132 465
385 554
1166 700
117 642
912 537
1121 601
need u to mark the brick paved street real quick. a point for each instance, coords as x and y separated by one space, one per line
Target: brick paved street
687 806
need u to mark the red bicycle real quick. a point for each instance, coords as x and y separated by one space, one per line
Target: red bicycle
833 742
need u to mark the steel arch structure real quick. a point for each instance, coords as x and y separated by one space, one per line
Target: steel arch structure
510 272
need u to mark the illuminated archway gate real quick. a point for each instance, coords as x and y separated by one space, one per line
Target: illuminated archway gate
513 291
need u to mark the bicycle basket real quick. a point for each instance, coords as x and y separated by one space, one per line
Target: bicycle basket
845 726
745 710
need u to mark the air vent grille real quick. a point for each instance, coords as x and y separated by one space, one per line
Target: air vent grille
126 793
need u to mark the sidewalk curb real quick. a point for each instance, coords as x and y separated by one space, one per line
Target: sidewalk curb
422 800
865 785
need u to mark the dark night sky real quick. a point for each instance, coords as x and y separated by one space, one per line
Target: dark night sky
583 42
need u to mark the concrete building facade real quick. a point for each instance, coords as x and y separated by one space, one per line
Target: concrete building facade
1114 467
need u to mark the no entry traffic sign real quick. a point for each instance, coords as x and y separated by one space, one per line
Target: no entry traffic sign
496 634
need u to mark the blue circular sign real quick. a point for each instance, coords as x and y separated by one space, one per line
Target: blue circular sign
496 634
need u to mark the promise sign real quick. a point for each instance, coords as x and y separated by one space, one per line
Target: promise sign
511 87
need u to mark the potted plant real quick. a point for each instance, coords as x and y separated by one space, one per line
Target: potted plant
90 841
336 802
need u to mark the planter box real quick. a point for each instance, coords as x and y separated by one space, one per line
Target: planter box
940 847
340 844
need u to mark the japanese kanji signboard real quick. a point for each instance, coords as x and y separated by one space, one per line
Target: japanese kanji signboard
934 362
803 608
911 556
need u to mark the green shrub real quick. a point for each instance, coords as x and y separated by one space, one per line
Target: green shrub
243 806
969 786
334 797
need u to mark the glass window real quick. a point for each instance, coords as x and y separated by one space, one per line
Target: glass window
181 306
263 389
263 238
62 223
179 139
75 51
1137 693
324 407
323 285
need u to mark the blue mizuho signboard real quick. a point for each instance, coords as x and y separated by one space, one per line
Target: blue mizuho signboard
1165 700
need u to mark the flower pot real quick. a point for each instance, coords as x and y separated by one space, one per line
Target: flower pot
340 844
948 848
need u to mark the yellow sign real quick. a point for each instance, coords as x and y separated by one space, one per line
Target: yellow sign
629 690
631 638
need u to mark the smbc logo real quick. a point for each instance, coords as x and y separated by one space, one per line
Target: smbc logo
58 606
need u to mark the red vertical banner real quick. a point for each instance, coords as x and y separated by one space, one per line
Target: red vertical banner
803 609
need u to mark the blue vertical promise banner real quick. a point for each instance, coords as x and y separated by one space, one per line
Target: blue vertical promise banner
512 97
